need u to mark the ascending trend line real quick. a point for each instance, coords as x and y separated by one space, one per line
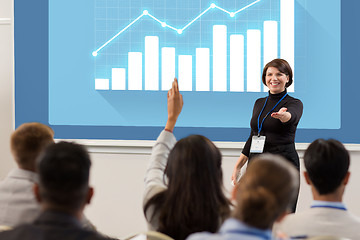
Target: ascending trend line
164 24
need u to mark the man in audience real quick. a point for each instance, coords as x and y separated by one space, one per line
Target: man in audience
17 201
63 191
327 163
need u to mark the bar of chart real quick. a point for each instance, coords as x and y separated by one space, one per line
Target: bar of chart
230 60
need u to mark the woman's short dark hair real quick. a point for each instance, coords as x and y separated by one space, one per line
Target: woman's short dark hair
283 66
267 190
194 200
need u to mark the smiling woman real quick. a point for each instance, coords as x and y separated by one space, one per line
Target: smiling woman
276 80
274 133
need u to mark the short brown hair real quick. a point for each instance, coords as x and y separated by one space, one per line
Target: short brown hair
28 141
266 191
283 66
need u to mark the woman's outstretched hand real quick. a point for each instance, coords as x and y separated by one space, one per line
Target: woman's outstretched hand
282 115
175 104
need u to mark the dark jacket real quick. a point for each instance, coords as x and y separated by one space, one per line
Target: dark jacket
51 225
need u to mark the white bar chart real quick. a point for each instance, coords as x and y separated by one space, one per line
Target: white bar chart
231 63
118 78
202 69
270 43
237 63
167 67
152 63
185 73
135 71
102 84
287 34
253 60
219 58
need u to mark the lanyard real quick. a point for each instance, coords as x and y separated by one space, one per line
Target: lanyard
261 125
261 235
329 206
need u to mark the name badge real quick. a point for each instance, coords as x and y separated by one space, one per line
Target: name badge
257 144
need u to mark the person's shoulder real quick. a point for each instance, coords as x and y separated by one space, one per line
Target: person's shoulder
289 219
204 236
317 221
22 176
6 235
91 235
20 232
17 184
294 219
353 218
293 224
260 100
32 231
293 102
293 99
319 214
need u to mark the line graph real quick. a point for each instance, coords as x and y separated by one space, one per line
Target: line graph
228 53
165 25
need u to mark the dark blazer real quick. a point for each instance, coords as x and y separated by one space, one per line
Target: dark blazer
51 225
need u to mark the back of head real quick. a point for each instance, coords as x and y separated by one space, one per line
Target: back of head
266 191
194 200
327 163
194 162
28 141
64 176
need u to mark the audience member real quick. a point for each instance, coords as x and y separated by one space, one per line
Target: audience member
63 191
327 163
183 184
17 201
264 194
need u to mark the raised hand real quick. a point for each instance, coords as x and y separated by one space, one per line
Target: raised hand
175 104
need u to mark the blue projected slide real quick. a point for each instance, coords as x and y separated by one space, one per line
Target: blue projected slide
111 62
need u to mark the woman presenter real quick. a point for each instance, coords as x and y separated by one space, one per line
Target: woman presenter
275 118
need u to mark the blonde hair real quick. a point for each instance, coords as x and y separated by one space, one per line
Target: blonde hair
28 141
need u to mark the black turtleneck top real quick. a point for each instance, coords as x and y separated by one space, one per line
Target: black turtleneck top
276 132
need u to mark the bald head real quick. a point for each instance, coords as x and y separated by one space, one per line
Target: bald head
28 141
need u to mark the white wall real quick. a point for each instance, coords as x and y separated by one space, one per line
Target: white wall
6 84
118 177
